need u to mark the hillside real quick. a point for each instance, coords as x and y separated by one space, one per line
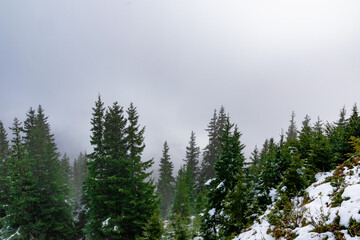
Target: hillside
328 209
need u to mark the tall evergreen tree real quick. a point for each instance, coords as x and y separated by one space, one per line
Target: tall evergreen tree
207 170
80 200
121 198
21 195
320 158
215 130
192 168
353 127
292 131
144 202
4 155
66 169
107 168
165 185
48 192
228 167
181 206
80 173
336 133
54 208
305 139
96 175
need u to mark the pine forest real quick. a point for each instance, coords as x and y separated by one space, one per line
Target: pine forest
217 193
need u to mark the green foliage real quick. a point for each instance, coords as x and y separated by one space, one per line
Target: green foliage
4 158
154 228
166 182
337 198
333 227
215 130
355 143
236 208
228 167
120 197
80 200
292 132
294 179
39 202
285 217
180 228
182 204
354 228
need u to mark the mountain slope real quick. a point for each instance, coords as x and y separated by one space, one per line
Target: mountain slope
329 209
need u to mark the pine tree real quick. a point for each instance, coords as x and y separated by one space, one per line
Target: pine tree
108 168
154 229
320 158
121 198
215 130
80 173
192 159
228 167
96 176
80 200
165 185
66 170
182 206
292 132
255 164
336 133
48 212
207 170
51 185
295 177
305 139
192 169
353 128
142 190
21 186
4 155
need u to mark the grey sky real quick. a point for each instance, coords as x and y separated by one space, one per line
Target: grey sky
178 61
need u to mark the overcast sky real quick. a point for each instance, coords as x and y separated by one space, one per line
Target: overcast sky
178 60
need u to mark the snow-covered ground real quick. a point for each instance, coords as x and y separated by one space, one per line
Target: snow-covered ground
334 194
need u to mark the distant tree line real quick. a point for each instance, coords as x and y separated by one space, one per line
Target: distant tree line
109 193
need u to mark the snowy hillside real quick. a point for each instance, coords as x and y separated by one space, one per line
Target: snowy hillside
329 209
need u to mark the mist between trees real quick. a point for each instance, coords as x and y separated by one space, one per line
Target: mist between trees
110 194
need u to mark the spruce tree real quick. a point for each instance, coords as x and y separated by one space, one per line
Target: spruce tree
144 202
96 176
165 185
66 170
320 158
80 200
22 195
4 155
292 131
337 135
255 164
80 173
305 139
182 206
192 170
121 198
49 214
54 209
228 167
192 159
353 128
207 170
108 171
215 130
154 229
